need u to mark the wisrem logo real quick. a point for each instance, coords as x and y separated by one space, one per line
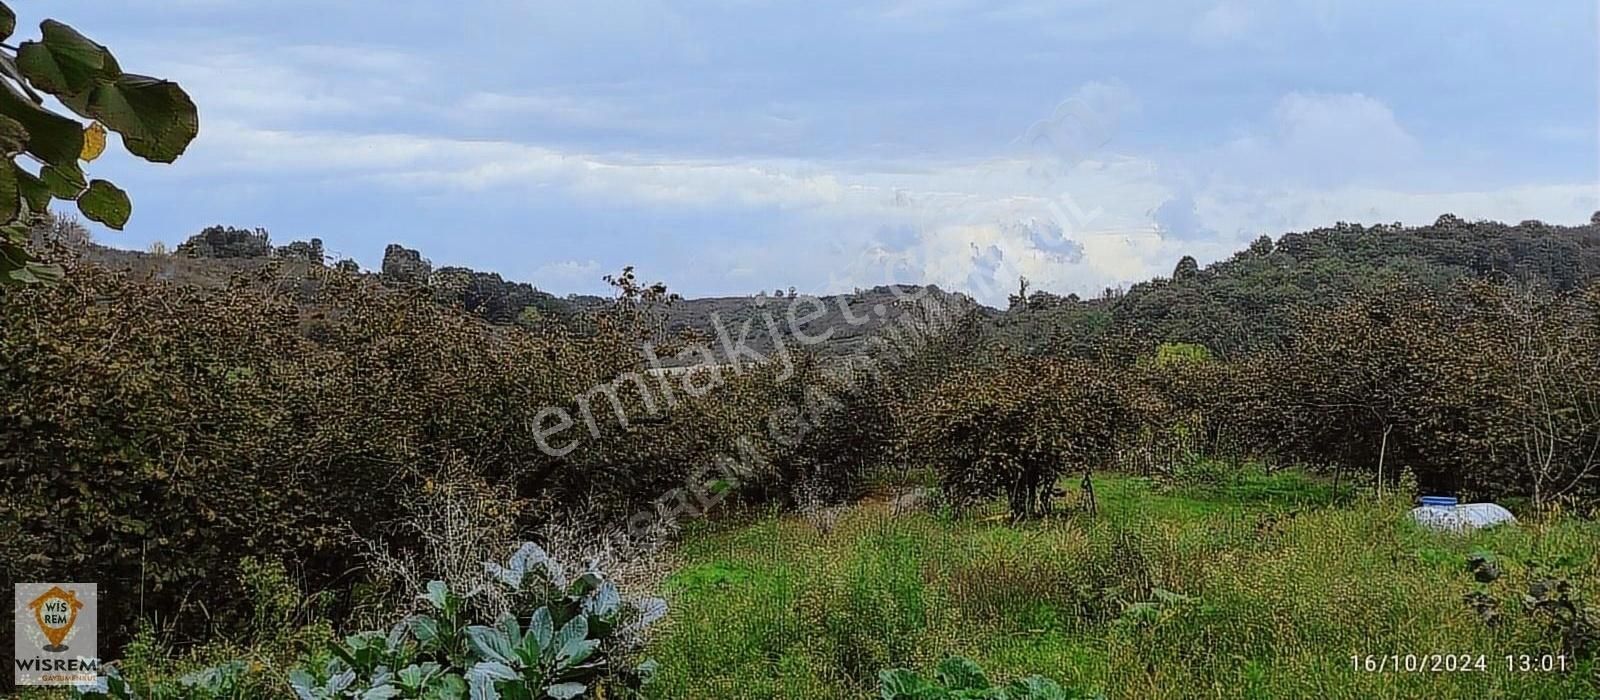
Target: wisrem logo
56 631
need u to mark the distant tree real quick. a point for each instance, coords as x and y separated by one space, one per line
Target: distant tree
1262 247
62 232
530 317
154 117
1014 426
641 307
1020 299
1187 268
1351 375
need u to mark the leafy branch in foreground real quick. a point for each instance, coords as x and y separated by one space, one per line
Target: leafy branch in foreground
155 118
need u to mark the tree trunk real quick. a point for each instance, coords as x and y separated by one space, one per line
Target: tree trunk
1088 492
1383 451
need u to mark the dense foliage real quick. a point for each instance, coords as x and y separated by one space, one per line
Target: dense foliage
1249 300
1456 350
156 432
1014 426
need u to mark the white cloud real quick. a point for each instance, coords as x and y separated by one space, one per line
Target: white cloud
1320 139
1069 224
1081 125
559 108
1224 23
293 85
567 273
1250 212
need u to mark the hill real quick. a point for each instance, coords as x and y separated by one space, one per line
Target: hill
1247 301
215 255
1230 306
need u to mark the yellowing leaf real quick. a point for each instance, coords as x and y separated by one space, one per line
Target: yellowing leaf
94 141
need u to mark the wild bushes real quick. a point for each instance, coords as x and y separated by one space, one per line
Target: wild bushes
1013 427
566 635
1486 388
1489 388
155 433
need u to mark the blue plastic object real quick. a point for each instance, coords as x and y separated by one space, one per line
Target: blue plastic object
1439 501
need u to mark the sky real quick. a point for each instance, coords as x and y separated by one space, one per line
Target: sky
732 146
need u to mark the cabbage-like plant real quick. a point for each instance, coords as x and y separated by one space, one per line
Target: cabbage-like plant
214 683
957 678
568 644
564 648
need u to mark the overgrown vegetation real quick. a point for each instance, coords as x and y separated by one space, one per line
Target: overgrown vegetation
303 447
572 642
1261 586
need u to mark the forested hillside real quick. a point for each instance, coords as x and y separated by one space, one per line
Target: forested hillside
1245 302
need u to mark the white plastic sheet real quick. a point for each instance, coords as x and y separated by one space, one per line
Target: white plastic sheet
1462 518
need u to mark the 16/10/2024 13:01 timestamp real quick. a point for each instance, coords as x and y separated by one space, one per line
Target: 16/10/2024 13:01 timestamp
1460 663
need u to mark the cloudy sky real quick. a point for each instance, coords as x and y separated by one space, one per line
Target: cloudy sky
728 146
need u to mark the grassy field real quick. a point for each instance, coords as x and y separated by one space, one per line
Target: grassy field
1240 584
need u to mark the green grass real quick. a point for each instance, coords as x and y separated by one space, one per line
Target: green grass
1241 584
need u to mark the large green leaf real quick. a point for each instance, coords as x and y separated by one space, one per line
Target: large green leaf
541 628
17 267
51 137
66 64
1038 688
13 136
33 189
66 181
11 205
14 80
569 641
491 644
565 691
902 684
959 673
105 203
156 118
